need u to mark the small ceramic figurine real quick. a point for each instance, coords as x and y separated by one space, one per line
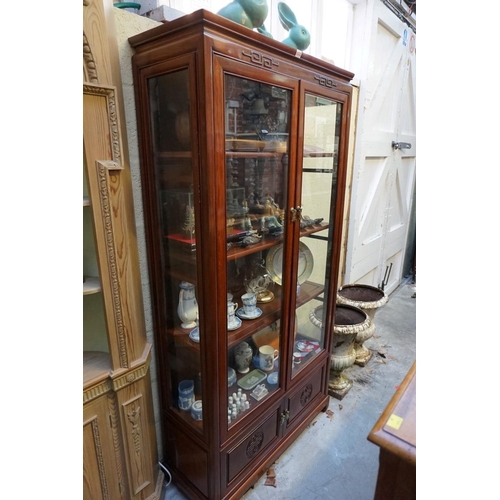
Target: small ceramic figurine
249 13
298 36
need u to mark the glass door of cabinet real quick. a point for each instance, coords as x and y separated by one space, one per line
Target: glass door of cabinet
257 131
322 119
170 109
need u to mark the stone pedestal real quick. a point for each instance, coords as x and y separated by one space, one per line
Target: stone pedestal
369 299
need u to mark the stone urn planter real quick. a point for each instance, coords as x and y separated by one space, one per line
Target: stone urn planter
349 322
369 299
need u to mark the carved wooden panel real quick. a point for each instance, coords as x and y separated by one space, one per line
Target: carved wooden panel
304 395
251 447
100 471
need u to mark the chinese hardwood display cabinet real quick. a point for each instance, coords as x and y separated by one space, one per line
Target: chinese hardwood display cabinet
243 148
120 458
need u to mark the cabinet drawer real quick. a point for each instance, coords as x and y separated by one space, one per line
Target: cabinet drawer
304 395
251 447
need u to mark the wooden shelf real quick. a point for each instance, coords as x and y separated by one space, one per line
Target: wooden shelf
92 284
96 367
255 154
271 312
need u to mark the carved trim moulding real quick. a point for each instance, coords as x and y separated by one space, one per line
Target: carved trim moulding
89 65
131 376
110 94
121 381
260 59
114 419
103 172
97 391
325 81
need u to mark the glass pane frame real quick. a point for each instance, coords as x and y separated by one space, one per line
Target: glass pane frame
274 316
172 186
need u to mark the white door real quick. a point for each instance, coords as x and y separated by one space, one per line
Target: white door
384 175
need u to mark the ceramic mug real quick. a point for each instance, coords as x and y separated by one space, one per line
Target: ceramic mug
267 356
249 303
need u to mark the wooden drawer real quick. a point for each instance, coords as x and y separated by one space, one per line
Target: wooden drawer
303 396
248 451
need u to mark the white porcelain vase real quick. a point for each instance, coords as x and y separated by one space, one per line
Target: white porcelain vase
187 309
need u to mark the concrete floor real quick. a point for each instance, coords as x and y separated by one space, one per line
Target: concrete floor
332 458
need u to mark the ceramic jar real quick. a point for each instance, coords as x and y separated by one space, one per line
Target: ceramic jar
243 357
186 394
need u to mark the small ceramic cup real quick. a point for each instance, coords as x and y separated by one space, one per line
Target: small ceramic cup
249 303
296 358
267 356
186 394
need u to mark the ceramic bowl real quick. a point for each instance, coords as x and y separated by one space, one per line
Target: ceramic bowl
272 378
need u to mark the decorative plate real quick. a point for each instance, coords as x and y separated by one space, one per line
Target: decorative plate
252 379
274 263
241 313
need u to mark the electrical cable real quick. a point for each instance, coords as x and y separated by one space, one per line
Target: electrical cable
164 469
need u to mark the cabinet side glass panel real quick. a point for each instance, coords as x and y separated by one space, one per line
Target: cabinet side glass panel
257 146
319 192
176 204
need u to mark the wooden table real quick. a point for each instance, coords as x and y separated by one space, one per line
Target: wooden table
395 434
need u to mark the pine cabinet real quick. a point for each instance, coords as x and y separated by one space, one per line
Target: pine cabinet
120 459
243 148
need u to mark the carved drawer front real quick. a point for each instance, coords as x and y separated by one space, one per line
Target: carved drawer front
306 393
251 447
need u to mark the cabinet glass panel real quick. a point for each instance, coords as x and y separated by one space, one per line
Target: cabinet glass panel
319 192
176 205
95 336
257 131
